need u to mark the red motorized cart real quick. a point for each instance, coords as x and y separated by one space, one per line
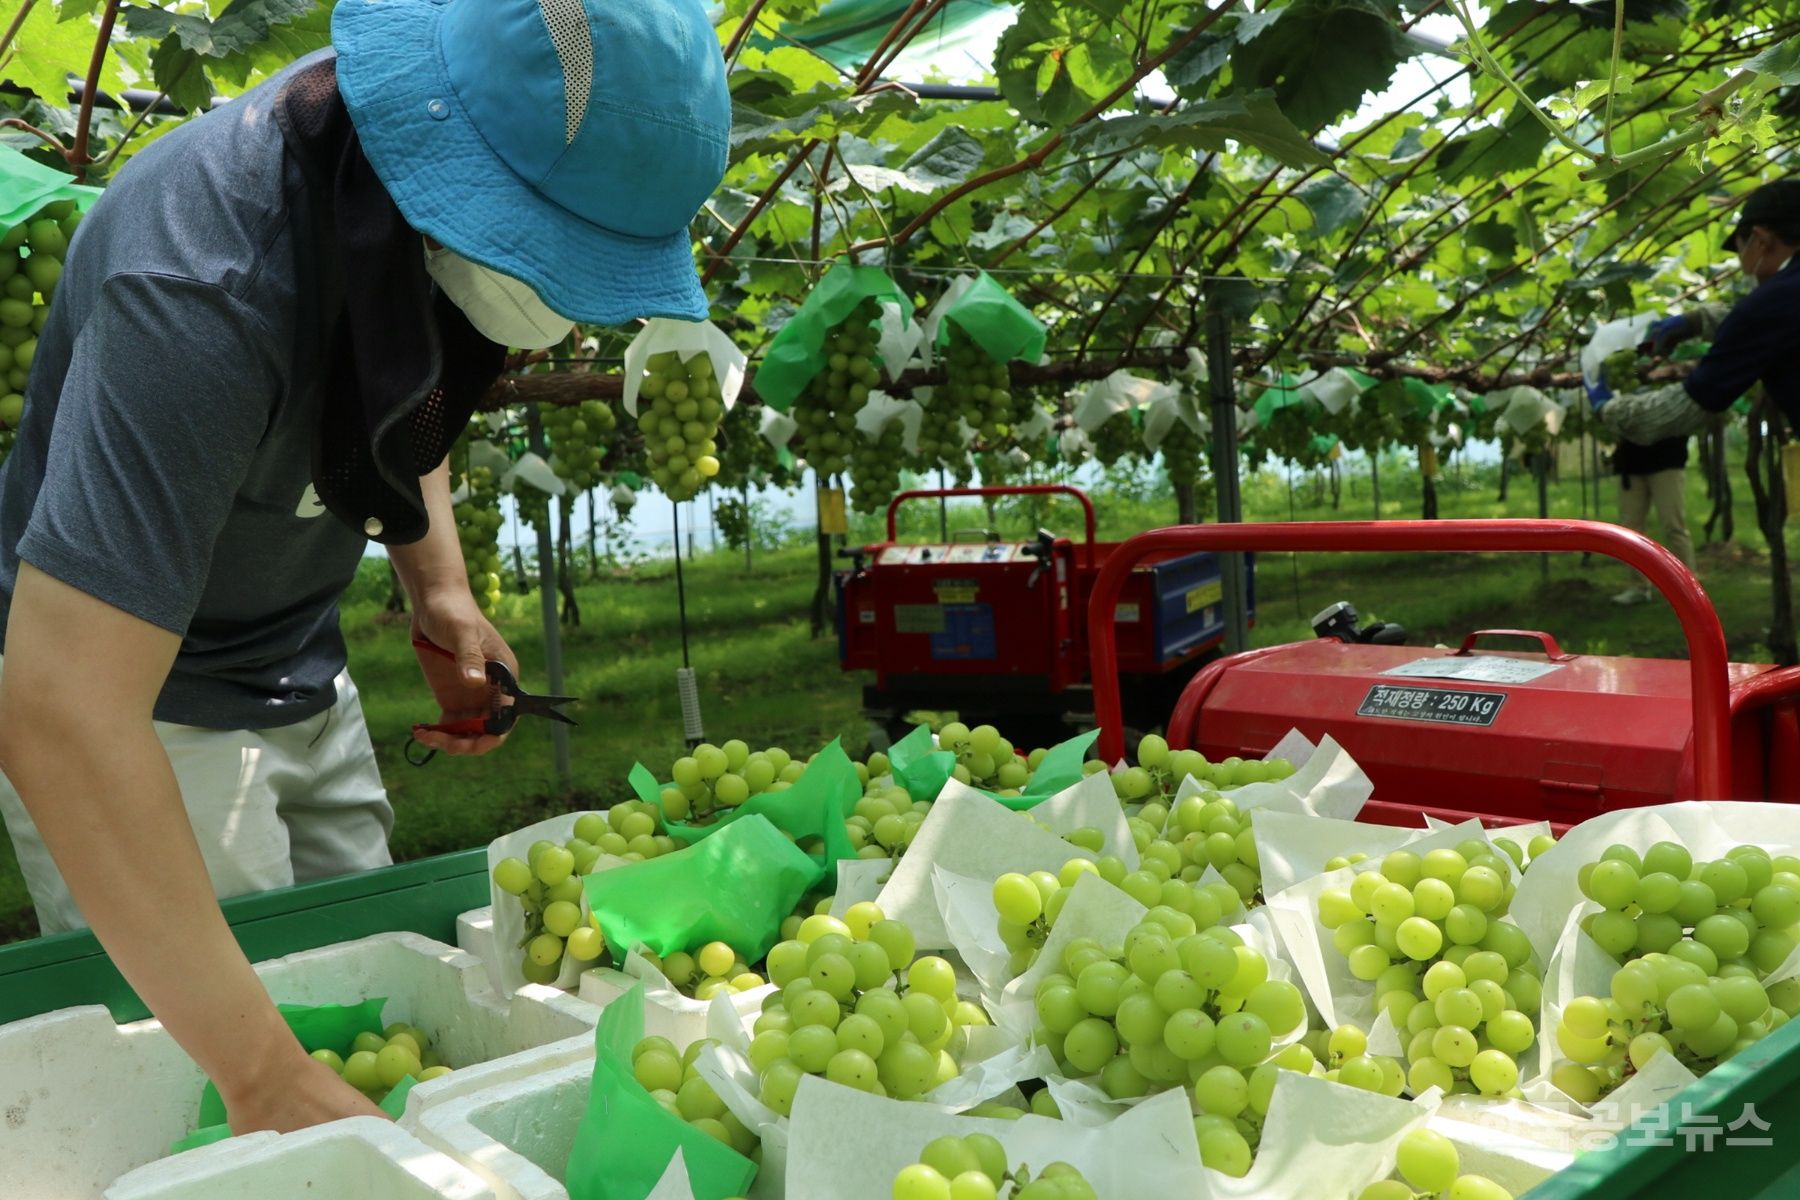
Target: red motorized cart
1461 732
996 630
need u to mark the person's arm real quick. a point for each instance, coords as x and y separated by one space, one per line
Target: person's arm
436 580
76 697
1750 340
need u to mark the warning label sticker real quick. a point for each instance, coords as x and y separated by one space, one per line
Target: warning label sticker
1478 668
1440 706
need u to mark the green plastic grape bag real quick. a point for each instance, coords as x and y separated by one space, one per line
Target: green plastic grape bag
316 1027
919 766
999 324
26 186
734 886
797 352
1059 768
816 805
626 1139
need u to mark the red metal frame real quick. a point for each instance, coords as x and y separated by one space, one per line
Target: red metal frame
1705 637
1019 489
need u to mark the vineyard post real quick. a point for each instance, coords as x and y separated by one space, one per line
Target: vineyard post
553 664
1375 478
1225 472
1763 454
1544 459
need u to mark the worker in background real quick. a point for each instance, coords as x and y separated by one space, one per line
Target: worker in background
1755 341
269 332
1654 475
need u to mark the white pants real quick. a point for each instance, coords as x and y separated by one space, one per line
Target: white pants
270 807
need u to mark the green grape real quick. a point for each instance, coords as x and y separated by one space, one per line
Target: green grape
1427 1160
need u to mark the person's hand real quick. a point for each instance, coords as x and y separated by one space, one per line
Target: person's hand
1666 334
460 684
299 1093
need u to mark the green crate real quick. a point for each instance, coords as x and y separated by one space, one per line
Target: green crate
1767 1075
424 896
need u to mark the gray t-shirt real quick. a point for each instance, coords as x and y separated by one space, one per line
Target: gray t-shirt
164 462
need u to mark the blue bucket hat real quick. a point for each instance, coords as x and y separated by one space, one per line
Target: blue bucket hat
565 143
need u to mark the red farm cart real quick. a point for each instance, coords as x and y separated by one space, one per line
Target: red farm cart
997 630
1461 732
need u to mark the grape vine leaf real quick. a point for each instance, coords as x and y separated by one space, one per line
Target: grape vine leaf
1053 65
1253 119
949 158
45 50
1516 145
1333 201
1322 58
1206 55
1780 63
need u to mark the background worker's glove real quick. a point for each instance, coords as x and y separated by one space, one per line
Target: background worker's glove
1666 334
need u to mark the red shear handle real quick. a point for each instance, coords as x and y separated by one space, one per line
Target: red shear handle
1707 656
466 727
424 643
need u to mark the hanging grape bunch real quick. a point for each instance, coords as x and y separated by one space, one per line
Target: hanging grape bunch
31 255
1372 422
1288 434
579 436
978 388
826 410
681 422
1116 438
478 529
745 456
875 466
940 440
1182 453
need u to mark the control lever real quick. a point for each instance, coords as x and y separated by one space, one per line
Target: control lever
1338 623
1041 549
856 555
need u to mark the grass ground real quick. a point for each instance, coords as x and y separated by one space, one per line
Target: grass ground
765 679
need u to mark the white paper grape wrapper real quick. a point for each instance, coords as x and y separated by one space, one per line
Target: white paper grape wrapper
992 1067
509 917
686 338
1340 997
969 834
1137 1155
1550 906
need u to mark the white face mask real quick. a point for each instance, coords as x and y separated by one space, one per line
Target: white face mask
503 309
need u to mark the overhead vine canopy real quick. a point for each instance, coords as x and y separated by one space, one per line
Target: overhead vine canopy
1569 161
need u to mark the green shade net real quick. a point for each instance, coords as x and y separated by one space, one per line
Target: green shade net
847 32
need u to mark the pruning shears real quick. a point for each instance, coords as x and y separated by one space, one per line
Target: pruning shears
507 702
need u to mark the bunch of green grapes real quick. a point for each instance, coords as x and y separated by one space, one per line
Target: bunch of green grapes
533 504
1369 422
1161 771
1427 1165
1118 436
720 777
940 440
1622 372
733 518
669 1075
1523 856
975 1167
1183 455
1461 981
1287 434
478 523
875 467
31 258
826 409
984 759
977 387
547 882
745 456
1697 941
681 422
885 822
579 437
713 968
856 1008
375 1063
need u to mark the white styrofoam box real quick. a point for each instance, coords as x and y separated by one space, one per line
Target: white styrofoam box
680 1019
517 1136
67 1073
365 1158
475 935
